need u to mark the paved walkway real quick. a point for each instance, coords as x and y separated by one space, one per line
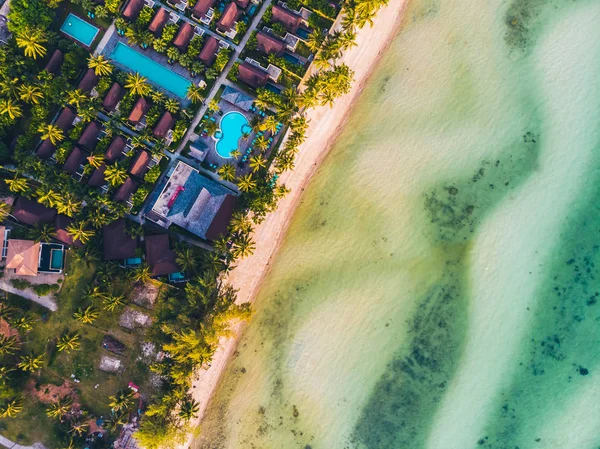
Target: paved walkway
46 301
12 445
223 76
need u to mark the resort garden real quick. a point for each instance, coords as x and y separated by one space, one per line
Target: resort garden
93 141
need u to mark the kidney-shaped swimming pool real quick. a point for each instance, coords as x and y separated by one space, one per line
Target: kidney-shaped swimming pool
233 125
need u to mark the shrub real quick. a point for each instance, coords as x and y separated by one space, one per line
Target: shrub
20 284
45 289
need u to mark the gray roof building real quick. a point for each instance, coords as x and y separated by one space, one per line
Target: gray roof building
237 98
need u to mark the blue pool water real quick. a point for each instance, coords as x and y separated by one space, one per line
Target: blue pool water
79 29
155 72
303 33
291 58
56 259
233 124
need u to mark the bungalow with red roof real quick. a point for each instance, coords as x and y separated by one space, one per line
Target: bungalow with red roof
184 36
242 3
201 8
252 75
112 98
228 18
287 18
139 166
159 21
117 243
209 51
89 81
115 149
55 62
159 255
64 122
31 212
74 161
128 188
61 223
140 108
164 125
132 9
269 44
97 178
90 134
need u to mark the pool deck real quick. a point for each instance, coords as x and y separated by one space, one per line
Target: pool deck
114 39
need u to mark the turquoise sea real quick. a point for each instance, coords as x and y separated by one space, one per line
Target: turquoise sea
439 286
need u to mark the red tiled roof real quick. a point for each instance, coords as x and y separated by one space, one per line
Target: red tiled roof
269 44
117 243
45 150
242 3
184 36
287 18
89 81
228 18
97 178
163 126
201 8
123 192
74 160
61 223
31 212
218 227
161 258
54 62
112 98
159 21
139 110
90 134
139 167
253 76
209 51
115 149
132 9
65 119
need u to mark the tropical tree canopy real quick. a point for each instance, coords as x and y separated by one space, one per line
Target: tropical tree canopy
31 40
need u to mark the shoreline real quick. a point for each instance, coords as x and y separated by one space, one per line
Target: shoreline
325 125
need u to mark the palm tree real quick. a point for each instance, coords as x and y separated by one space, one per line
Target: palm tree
158 97
243 247
68 342
24 323
47 196
78 427
270 124
261 143
315 40
17 185
76 97
31 42
284 162
30 93
31 362
213 105
101 65
59 409
115 175
187 260
257 162
11 408
8 345
87 112
189 409
137 85
246 183
211 128
122 401
115 421
241 223
141 275
4 374
194 94
42 232
96 160
173 54
256 123
52 132
87 315
9 87
112 302
299 123
348 39
99 218
10 108
172 105
227 172
69 205
79 232
4 211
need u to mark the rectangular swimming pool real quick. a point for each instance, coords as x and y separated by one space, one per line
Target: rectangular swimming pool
155 72
79 29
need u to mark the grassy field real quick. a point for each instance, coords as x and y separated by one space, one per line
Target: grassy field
94 386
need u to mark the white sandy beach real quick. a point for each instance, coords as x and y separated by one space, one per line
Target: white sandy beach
325 124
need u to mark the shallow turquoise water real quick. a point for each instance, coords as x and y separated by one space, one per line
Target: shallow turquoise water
438 287
233 124
153 71
79 29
